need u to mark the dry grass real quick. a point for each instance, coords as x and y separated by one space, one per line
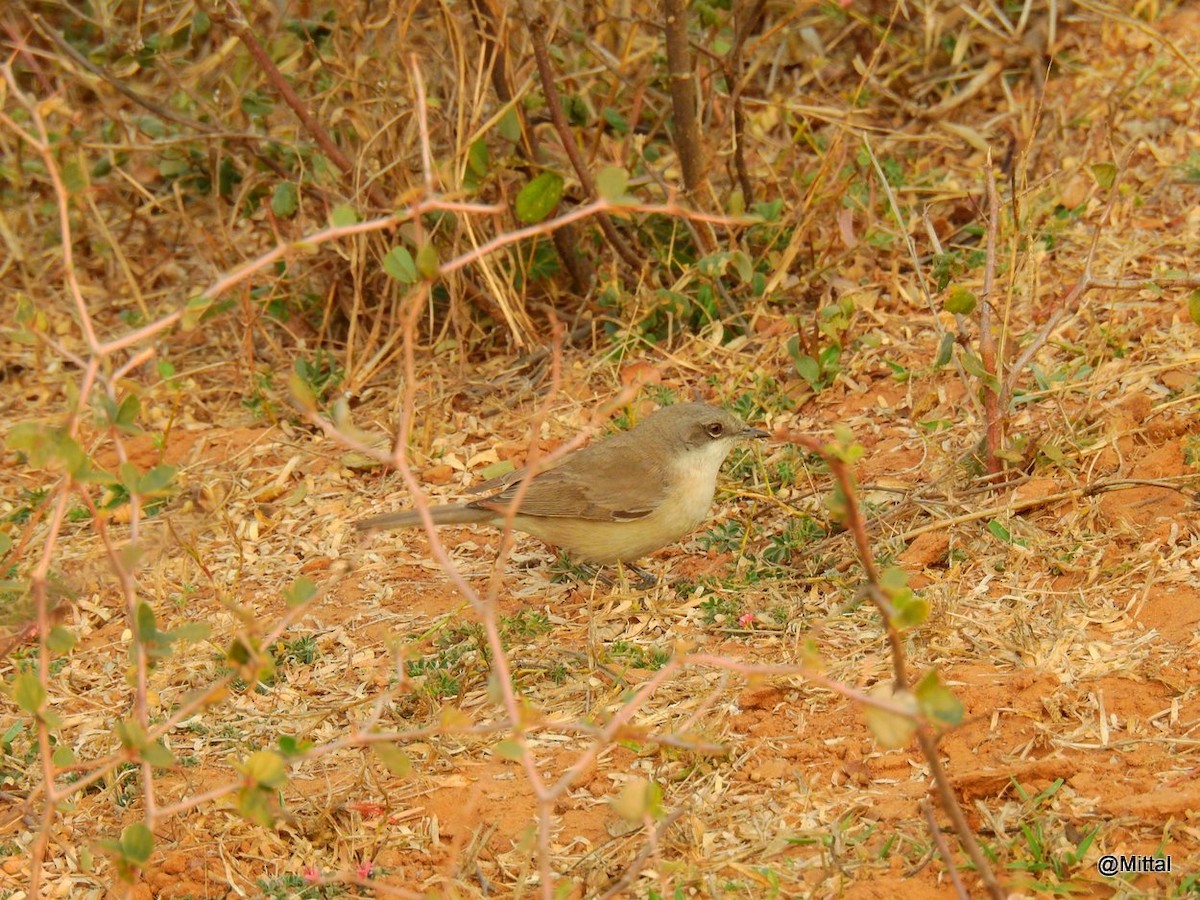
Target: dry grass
706 737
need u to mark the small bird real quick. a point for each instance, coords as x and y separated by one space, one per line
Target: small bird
617 500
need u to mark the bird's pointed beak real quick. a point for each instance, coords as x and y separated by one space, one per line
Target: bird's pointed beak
749 432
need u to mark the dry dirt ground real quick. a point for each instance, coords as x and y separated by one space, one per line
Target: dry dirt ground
1065 617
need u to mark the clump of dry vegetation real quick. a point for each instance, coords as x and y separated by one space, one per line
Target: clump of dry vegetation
271 268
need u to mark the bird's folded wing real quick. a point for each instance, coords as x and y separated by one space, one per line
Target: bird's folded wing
596 490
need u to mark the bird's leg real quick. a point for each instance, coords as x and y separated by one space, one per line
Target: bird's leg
646 579
586 572
598 574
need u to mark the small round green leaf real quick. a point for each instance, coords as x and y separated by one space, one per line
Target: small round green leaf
137 843
302 590
945 349
961 302
400 265
510 749
28 693
611 183
60 640
539 198
638 799
479 161
343 216
1105 174
285 200
937 701
265 768
396 760
427 261
892 729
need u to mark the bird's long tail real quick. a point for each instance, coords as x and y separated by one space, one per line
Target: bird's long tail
450 514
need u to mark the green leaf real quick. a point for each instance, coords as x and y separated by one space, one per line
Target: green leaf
999 531
255 103
937 701
828 359
539 198
396 760
509 125
892 730
290 746
945 348
146 626
191 632
427 261
808 369
611 183
130 734
128 475
60 640
63 756
343 216
496 469
974 365
156 482
239 653
742 265
479 161
157 755
911 610
1105 174
400 265
769 210
302 590
714 264
255 805
615 120
893 580
960 302
510 749
265 768
196 309
1194 307
74 176
151 126
126 416
48 447
28 693
137 843
300 389
639 798
27 438
285 200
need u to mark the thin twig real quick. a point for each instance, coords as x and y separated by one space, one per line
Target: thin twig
682 82
746 19
237 23
994 417
939 841
538 26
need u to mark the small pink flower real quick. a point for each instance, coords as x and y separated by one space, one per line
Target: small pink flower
312 874
746 620
365 869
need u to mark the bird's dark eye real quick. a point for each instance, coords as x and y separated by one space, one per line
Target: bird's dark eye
715 430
